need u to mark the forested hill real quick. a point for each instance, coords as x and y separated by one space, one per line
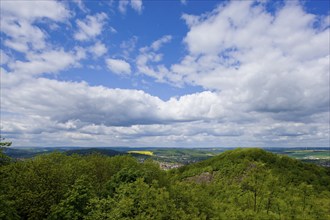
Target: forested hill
237 184
236 164
107 152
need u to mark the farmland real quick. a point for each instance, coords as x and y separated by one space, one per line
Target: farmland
320 156
143 152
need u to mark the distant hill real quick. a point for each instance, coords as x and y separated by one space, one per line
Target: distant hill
181 156
28 152
103 151
21 153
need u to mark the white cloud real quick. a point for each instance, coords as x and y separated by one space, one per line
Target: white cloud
69 113
98 49
18 18
254 58
128 46
111 107
123 5
91 27
266 57
51 61
4 58
22 34
137 5
150 55
118 66
81 5
32 10
268 80
113 30
156 45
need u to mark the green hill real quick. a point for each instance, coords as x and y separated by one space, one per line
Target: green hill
237 184
88 151
262 185
236 163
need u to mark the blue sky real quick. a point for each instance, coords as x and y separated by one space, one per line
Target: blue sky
165 73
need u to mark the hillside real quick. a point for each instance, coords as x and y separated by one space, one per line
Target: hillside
237 184
88 151
238 162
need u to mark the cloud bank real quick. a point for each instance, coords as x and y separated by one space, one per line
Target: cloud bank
265 80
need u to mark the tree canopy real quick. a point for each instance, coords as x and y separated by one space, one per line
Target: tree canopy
237 184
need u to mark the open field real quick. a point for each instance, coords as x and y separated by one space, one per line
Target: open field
143 152
309 154
320 156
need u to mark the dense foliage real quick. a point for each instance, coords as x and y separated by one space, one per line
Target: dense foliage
237 184
4 159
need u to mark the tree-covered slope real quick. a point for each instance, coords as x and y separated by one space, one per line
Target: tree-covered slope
254 183
107 152
239 162
237 184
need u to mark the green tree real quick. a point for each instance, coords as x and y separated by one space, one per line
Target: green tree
136 200
4 159
73 206
4 143
254 182
6 206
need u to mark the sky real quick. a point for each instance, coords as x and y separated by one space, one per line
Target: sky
145 73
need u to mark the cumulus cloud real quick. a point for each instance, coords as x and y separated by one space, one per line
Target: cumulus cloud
133 116
4 58
51 61
266 83
18 22
98 49
118 66
22 35
32 10
100 105
150 55
256 59
77 112
91 27
135 5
